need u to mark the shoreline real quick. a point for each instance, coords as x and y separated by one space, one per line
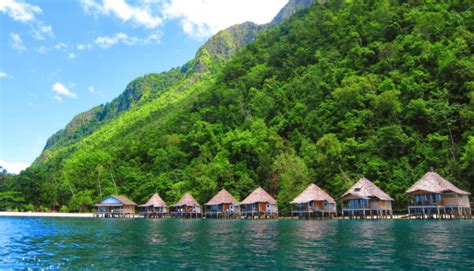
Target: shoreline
43 214
91 215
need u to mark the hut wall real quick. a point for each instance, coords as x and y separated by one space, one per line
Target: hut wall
356 203
376 204
450 199
463 200
323 205
129 208
197 209
331 207
380 204
273 208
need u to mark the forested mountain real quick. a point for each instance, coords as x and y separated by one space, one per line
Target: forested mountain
383 89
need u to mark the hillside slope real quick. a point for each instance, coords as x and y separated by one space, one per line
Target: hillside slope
384 90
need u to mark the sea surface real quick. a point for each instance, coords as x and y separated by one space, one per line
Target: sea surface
138 244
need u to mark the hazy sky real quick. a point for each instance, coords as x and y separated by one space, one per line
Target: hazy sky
59 58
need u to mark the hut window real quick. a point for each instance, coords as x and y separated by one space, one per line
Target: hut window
357 189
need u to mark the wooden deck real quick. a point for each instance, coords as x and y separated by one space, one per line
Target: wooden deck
148 214
438 212
316 213
366 213
254 214
221 215
191 215
115 214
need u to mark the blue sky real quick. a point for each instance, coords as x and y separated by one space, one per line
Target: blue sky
60 58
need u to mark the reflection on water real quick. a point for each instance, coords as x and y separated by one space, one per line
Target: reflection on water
238 244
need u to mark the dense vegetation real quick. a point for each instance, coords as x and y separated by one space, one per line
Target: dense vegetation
343 89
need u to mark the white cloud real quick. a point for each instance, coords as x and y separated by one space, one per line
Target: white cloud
42 31
61 90
84 46
204 18
91 89
19 10
42 50
153 38
3 74
140 15
17 42
108 41
14 167
71 56
198 18
60 46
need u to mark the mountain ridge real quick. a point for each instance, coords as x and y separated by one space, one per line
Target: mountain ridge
342 90
210 56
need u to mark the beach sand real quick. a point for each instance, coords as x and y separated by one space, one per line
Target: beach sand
38 214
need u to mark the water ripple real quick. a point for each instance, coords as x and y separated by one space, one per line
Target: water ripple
57 243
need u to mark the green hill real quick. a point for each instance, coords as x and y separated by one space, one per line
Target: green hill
341 89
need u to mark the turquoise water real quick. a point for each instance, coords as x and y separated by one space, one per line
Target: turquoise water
236 244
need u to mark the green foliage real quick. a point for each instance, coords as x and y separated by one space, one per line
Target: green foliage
343 89
291 175
10 200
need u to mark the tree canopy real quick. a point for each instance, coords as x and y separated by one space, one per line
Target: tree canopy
383 89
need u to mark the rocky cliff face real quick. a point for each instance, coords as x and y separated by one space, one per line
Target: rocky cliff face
291 8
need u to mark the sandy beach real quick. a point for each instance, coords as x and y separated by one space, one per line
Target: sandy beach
38 214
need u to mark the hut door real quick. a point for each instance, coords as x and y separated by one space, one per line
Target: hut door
262 206
226 207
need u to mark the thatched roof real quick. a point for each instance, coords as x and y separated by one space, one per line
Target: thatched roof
432 182
312 193
123 201
187 200
154 201
365 189
222 197
259 195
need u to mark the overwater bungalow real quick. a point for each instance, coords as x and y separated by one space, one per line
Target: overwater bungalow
223 205
259 204
186 207
432 196
314 202
116 206
154 207
366 200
